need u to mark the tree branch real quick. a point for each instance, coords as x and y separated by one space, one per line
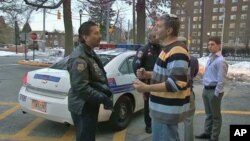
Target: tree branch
41 5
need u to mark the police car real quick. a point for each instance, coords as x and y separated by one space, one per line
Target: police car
44 91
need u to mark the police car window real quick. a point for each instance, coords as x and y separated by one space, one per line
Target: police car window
61 65
124 68
130 64
105 58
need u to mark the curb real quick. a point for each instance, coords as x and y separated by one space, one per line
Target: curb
33 63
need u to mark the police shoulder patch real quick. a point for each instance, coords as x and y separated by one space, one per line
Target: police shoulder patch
80 65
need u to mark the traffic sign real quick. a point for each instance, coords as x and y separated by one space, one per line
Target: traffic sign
33 36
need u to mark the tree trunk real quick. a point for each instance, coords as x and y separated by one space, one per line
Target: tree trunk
141 16
68 27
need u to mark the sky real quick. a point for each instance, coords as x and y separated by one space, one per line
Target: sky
52 23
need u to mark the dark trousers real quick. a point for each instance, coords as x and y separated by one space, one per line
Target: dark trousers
212 106
147 118
86 123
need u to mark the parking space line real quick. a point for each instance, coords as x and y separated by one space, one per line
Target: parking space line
8 103
198 112
120 136
25 131
8 112
28 138
69 135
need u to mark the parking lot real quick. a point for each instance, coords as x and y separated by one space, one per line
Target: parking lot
16 126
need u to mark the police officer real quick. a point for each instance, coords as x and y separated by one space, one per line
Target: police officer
188 122
89 86
145 58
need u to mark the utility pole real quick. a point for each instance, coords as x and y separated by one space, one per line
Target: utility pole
128 31
189 28
16 33
223 25
107 23
134 39
202 27
44 39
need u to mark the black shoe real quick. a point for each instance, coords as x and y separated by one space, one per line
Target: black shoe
148 130
203 136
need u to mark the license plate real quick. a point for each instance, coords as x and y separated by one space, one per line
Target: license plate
39 105
23 98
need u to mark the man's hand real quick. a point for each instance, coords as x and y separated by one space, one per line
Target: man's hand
108 103
142 74
140 86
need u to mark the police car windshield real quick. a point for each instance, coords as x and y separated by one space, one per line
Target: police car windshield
62 64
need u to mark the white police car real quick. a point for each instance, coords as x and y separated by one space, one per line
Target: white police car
44 91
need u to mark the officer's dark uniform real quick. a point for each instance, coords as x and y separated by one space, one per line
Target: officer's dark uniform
89 88
145 58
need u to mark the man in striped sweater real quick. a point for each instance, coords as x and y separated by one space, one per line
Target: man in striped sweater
170 86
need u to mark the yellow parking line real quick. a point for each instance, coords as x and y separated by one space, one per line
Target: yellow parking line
120 136
69 135
8 112
226 112
8 103
25 131
28 138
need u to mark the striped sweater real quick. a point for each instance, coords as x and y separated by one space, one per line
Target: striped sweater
173 68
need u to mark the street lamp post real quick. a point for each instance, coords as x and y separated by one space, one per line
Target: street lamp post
80 13
16 33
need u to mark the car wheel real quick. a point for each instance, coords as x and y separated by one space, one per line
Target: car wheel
122 113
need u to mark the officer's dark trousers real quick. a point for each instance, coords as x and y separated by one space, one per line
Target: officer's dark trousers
147 118
85 123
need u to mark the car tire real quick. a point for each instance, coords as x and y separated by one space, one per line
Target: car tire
122 113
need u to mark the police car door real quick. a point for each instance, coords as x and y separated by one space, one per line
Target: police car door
126 79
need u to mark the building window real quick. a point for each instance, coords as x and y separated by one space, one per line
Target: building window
199 33
242 33
234 8
214 18
195 18
232 25
232 34
182 26
242 25
196 11
233 17
182 12
245 0
221 17
196 3
222 9
215 10
216 1
244 8
219 34
194 34
194 26
220 25
243 16
200 18
182 19
234 1
198 41
199 26
178 12
213 33
214 25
